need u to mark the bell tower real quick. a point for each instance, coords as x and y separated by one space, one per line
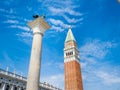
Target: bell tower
73 76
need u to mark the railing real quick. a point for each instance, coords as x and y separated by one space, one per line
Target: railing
47 85
14 75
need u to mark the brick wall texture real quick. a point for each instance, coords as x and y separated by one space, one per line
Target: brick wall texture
73 76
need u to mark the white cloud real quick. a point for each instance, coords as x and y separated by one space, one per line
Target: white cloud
59 4
10 16
94 50
14 19
10 11
25 34
58 25
72 20
25 28
55 10
61 7
25 37
11 21
95 67
62 11
58 22
56 80
57 28
72 12
108 78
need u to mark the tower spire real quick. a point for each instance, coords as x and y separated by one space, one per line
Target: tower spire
70 36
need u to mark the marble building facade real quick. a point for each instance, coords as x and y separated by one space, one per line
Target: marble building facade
13 81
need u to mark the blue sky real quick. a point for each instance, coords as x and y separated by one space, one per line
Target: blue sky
95 25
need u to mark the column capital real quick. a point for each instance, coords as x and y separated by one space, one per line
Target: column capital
39 26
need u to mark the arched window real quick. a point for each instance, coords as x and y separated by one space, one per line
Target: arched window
69 53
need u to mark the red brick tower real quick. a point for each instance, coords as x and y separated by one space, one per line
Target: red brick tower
73 76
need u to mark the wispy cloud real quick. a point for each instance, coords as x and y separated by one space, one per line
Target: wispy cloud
25 28
62 11
10 16
56 28
108 78
93 54
10 21
61 7
18 23
25 37
72 12
72 20
25 34
57 25
58 22
9 11
59 4
94 50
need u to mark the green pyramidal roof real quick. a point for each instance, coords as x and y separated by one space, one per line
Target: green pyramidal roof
70 36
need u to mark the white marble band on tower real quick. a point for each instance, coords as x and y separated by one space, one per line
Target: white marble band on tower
39 26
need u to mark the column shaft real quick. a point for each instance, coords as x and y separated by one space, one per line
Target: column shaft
19 88
34 68
3 88
12 87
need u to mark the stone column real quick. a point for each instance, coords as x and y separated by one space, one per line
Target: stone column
12 87
39 26
4 84
19 88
